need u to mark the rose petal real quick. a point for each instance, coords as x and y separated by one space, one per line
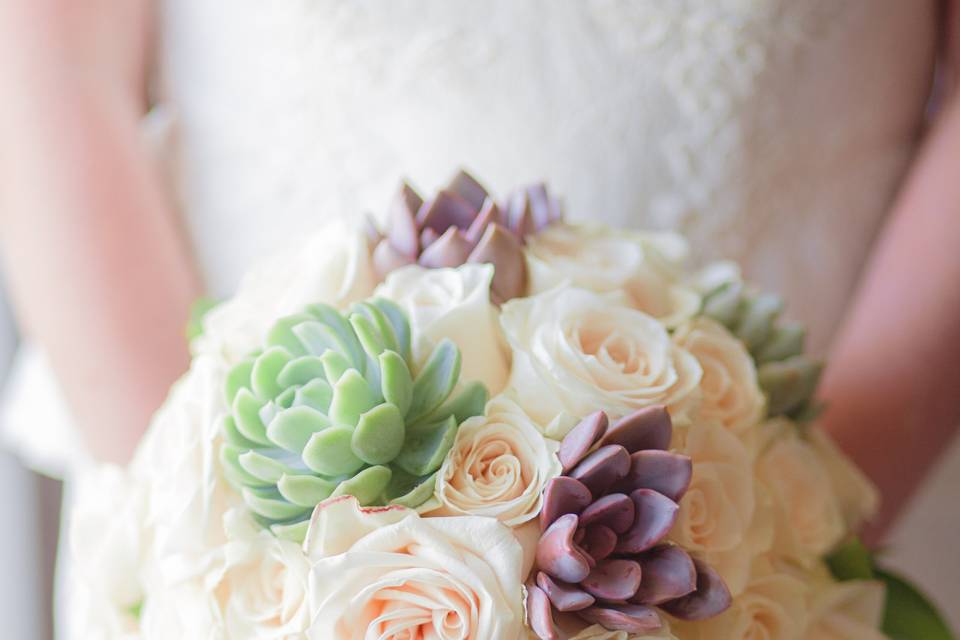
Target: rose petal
581 439
656 514
615 510
540 615
563 495
648 428
558 555
632 618
602 468
668 573
664 472
711 598
616 580
565 597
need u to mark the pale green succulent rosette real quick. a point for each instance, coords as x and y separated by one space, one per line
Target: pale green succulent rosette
786 375
333 406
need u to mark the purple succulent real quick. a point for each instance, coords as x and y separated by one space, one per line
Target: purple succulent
462 223
602 554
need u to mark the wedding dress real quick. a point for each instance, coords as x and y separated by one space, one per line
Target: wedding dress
772 132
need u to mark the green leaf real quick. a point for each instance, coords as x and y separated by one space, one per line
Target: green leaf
759 315
424 450
380 322
909 615
293 428
330 453
723 303
266 368
306 491
316 393
301 371
268 503
367 486
470 402
436 380
335 320
851 561
789 384
352 397
246 412
398 320
396 381
281 334
379 435
198 311
238 378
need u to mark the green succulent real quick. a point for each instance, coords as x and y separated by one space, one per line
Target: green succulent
787 376
333 406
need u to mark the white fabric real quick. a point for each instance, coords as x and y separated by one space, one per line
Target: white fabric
769 131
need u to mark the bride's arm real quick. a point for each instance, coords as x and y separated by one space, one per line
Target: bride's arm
893 384
90 249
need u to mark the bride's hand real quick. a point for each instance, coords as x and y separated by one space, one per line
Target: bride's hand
91 251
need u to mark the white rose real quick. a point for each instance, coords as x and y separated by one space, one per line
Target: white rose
575 352
107 544
772 607
184 610
398 575
332 266
454 304
719 518
858 498
730 393
185 493
498 466
263 590
644 267
851 610
808 518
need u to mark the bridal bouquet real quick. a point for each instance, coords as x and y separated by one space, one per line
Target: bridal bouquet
482 422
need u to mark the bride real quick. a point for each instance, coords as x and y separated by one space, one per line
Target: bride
784 134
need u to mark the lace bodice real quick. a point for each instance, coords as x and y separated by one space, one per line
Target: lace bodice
770 131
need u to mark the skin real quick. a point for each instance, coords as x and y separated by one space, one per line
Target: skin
74 80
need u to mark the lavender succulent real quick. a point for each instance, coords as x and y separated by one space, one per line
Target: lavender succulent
333 405
602 554
462 223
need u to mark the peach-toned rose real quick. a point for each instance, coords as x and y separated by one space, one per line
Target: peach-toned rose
387 573
850 610
575 351
719 517
729 390
858 498
773 607
498 466
643 267
809 521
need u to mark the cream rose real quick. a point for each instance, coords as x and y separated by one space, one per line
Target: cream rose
185 494
644 267
107 544
773 607
387 573
262 593
850 610
575 352
498 466
332 266
454 304
809 521
719 517
185 610
730 394
858 498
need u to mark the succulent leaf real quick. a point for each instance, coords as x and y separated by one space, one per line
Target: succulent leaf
333 405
